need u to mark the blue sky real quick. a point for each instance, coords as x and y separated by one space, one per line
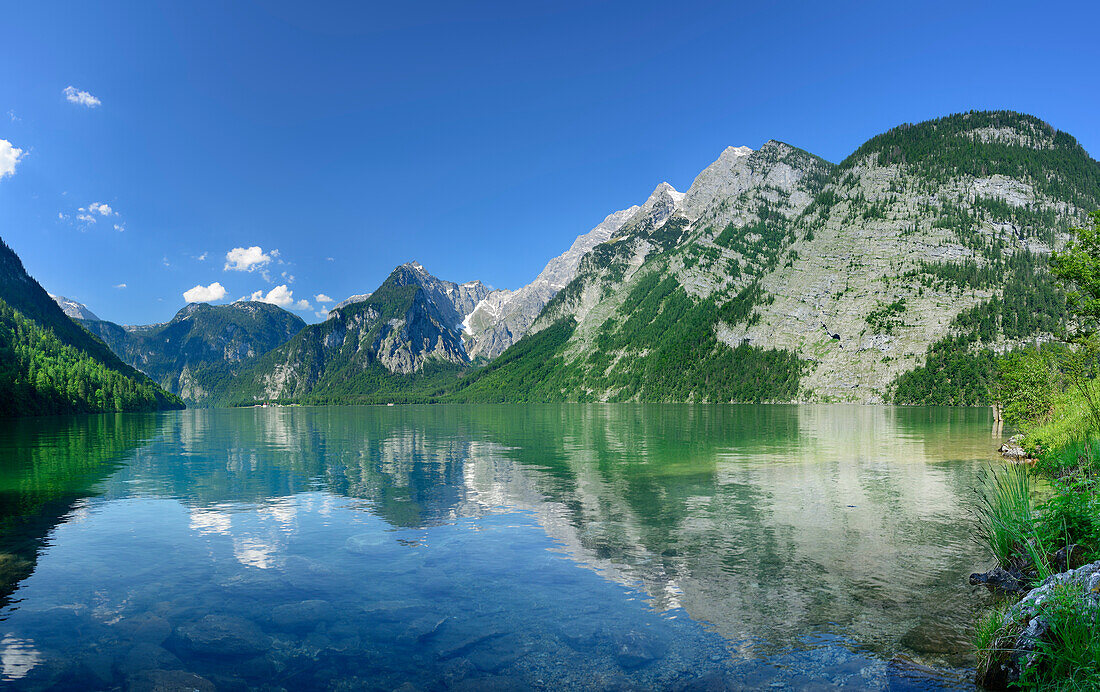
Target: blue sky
478 138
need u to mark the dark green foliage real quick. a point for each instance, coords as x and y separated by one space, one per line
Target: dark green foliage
1030 303
958 275
23 294
886 318
954 373
532 370
39 374
760 241
945 148
665 350
660 347
1079 267
1027 382
50 364
961 369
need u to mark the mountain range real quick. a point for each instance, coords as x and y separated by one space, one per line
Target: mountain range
894 275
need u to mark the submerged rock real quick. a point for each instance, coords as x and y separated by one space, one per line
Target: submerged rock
302 615
635 649
933 638
145 627
169 681
223 635
1002 581
365 543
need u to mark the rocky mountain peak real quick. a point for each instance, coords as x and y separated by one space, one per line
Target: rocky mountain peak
662 203
75 310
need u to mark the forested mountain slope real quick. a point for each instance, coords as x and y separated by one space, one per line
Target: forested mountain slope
50 364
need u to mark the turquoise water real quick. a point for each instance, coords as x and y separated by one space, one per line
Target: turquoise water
491 547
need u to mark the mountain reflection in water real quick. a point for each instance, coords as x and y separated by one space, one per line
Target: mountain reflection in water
526 546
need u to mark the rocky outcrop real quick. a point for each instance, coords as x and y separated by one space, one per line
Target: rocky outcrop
1028 623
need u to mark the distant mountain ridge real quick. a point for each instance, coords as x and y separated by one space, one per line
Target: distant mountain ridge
410 322
201 346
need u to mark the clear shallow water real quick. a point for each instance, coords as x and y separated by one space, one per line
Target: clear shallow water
503 547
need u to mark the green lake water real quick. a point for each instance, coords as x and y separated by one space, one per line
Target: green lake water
492 547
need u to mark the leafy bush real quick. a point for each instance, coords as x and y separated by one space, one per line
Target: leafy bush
1026 384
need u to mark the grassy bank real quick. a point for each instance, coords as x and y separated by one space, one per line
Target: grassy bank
1040 520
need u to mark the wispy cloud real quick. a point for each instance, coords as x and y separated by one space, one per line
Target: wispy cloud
9 156
91 213
83 98
120 285
101 208
204 294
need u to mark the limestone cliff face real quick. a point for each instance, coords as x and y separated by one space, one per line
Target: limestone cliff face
854 267
503 317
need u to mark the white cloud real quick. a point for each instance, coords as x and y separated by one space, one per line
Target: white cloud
323 314
119 227
61 216
9 156
102 209
14 118
205 294
281 296
202 257
120 285
322 298
74 95
86 218
246 259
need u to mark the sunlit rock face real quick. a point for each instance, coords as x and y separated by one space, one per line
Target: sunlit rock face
503 317
808 253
